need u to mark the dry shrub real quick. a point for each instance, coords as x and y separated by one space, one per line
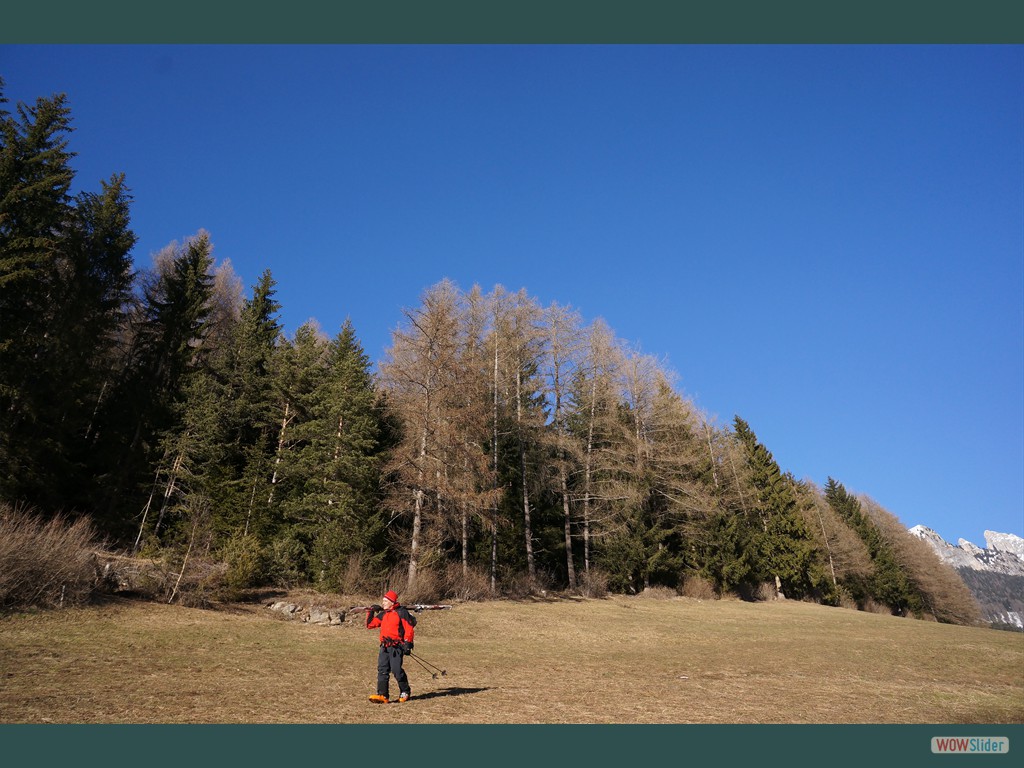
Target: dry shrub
397 579
766 592
355 578
515 585
698 587
471 584
147 577
46 563
437 581
200 582
593 583
756 593
428 588
434 583
845 599
196 581
870 606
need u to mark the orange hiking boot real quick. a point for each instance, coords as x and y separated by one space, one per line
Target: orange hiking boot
403 697
379 699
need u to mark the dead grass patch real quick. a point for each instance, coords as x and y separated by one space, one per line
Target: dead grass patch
614 660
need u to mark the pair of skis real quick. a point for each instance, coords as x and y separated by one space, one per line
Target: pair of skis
416 608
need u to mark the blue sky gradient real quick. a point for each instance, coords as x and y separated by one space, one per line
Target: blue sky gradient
825 240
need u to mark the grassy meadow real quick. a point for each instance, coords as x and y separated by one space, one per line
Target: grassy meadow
563 660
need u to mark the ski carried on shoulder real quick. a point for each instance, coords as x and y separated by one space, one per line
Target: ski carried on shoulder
415 608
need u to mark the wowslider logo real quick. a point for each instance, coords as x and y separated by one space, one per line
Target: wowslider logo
970 745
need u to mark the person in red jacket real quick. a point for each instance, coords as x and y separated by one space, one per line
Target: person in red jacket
397 629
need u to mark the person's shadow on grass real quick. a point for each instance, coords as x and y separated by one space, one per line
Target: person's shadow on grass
448 692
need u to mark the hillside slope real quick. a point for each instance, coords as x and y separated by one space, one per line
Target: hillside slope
614 660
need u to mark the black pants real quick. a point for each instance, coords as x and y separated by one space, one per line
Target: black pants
389 661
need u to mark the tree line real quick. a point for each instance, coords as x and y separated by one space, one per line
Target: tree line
496 437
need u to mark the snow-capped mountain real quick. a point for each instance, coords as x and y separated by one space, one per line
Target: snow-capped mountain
1005 542
994 574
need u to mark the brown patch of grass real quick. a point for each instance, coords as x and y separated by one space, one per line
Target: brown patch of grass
658 593
616 660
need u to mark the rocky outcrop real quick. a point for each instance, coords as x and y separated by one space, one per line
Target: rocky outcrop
309 614
1005 542
994 574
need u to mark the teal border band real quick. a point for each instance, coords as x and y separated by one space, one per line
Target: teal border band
518 21
156 746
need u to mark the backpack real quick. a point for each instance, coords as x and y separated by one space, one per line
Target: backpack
403 613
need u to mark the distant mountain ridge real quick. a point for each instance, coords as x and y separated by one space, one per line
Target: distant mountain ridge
994 574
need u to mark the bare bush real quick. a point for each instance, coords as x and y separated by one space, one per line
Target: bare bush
473 584
46 563
355 578
200 582
515 585
846 600
593 583
698 587
429 587
434 583
168 576
766 592
148 577
870 606
397 579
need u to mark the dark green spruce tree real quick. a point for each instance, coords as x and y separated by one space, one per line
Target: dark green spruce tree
783 546
299 368
65 278
96 301
146 421
241 379
348 521
326 492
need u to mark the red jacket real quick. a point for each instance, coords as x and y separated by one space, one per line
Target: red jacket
397 625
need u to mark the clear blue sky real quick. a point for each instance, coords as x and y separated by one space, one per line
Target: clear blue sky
827 241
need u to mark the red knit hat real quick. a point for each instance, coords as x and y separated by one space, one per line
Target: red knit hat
390 595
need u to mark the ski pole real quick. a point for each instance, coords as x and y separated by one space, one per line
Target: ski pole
430 671
423 662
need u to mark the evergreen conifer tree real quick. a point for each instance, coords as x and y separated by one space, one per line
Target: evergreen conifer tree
241 380
783 544
64 279
149 423
347 451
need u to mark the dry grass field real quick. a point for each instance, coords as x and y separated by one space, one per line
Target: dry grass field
629 660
